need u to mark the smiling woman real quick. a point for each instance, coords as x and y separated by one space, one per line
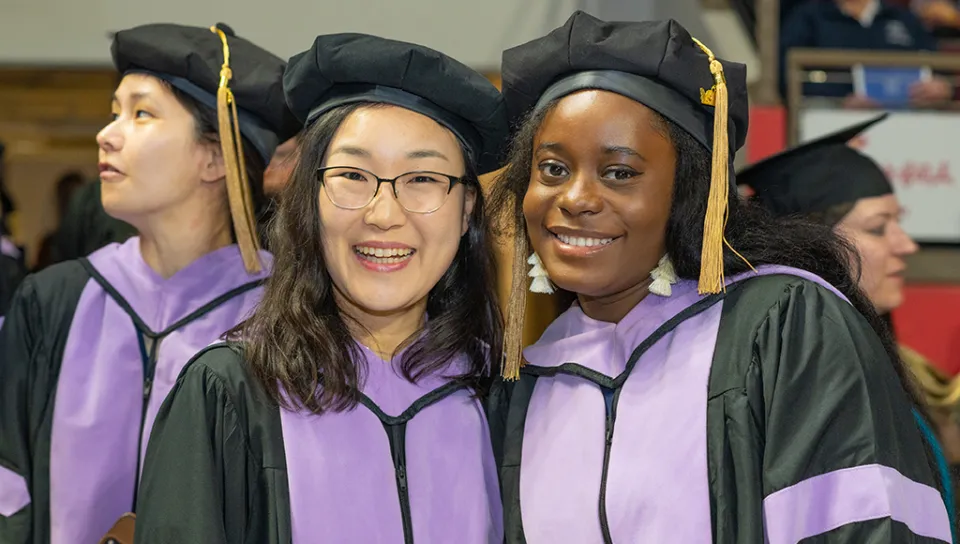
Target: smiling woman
347 405
757 398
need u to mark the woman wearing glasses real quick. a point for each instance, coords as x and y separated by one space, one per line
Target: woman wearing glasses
346 409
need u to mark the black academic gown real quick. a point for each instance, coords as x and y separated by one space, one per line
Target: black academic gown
88 351
769 413
12 272
411 463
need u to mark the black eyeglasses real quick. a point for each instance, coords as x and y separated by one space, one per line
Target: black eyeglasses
417 192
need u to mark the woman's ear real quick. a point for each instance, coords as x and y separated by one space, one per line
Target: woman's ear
214 168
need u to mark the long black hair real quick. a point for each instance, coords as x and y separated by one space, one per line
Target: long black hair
298 342
754 232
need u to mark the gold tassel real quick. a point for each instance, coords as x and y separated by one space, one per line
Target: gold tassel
238 186
516 309
715 220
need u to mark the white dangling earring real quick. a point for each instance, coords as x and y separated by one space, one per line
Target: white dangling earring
541 281
664 276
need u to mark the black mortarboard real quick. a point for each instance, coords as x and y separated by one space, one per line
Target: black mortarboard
817 175
347 68
190 59
238 79
656 63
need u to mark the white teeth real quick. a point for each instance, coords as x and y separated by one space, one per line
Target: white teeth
385 255
583 242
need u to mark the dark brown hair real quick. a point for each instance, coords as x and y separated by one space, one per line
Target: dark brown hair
298 342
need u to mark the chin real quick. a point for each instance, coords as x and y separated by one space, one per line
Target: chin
582 284
384 303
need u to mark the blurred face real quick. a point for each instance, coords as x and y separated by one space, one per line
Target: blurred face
600 192
382 258
150 157
873 225
281 165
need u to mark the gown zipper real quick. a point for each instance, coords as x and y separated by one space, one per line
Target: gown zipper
610 398
398 446
149 368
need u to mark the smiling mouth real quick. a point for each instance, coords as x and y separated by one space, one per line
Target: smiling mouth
379 255
579 241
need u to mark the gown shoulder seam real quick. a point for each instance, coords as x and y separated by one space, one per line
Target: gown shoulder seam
229 404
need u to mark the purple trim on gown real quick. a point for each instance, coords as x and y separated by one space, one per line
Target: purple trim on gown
99 396
827 501
342 479
8 248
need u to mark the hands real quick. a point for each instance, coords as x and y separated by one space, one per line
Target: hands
930 93
859 102
934 92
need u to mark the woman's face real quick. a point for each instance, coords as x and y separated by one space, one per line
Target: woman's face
600 193
150 157
382 258
873 226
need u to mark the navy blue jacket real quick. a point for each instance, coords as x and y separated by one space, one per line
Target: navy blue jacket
821 24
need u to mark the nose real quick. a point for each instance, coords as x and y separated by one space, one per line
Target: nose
901 242
109 138
384 211
580 195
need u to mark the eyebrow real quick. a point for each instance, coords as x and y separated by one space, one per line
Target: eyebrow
621 150
416 154
133 97
607 150
426 154
350 150
550 146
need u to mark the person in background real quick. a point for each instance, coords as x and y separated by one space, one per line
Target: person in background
67 187
275 178
87 227
942 17
12 267
829 182
720 377
859 24
90 348
346 408
281 166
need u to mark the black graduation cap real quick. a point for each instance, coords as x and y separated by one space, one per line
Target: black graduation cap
348 68
190 58
240 80
817 175
660 65
656 63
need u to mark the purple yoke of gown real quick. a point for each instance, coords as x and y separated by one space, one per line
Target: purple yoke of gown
657 481
100 391
343 481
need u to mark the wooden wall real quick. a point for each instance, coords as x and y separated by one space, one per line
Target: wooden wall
49 118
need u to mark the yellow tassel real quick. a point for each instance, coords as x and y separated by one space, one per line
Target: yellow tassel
238 186
516 308
715 220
